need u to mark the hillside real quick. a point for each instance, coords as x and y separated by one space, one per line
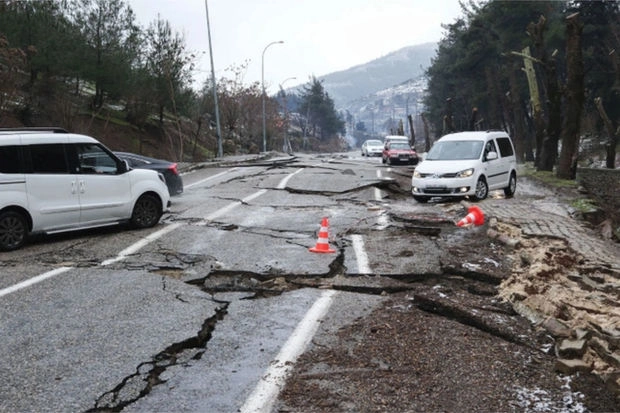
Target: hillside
392 69
372 93
384 91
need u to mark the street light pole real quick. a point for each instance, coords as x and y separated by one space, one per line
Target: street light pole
263 84
287 144
220 150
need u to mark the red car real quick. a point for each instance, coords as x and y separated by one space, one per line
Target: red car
399 152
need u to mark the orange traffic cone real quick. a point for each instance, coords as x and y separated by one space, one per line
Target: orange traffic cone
474 216
322 244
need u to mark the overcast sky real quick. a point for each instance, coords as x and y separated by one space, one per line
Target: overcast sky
320 36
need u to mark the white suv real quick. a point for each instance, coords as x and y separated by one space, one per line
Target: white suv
53 181
466 164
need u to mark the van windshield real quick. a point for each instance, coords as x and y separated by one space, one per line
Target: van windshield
455 150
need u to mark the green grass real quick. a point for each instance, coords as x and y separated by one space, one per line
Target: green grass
547 177
584 205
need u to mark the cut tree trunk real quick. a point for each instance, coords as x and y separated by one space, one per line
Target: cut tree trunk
539 122
411 130
516 109
427 138
610 146
575 96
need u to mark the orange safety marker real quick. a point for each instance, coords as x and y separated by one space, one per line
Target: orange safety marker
322 244
474 216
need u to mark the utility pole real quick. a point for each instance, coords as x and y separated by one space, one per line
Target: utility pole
220 150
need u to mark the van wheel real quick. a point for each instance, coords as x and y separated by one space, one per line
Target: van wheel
482 190
512 185
146 212
13 230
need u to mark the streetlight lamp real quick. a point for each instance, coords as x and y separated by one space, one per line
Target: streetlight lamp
263 83
286 80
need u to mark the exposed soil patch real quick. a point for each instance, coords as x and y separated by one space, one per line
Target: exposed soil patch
408 357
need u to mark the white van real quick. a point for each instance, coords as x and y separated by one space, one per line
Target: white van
466 164
53 181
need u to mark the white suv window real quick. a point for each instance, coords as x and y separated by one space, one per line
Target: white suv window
49 159
10 160
94 160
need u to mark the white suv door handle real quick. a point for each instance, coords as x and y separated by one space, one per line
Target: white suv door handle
82 186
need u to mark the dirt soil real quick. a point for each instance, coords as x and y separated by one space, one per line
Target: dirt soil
455 341
407 358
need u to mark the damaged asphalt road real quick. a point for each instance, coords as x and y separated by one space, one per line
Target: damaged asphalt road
192 319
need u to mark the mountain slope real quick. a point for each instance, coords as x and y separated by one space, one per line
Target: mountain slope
392 69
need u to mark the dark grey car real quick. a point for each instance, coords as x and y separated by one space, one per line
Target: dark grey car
166 168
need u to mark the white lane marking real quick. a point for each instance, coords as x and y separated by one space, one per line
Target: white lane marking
254 195
382 220
266 391
211 177
133 248
377 190
234 205
363 267
283 182
33 280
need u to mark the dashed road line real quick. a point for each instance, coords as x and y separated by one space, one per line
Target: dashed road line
211 177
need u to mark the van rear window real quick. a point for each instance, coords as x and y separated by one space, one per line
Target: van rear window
49 158
505 148
9 160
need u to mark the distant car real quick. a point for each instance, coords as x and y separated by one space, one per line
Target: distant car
372 147
399 152
166 168
395 138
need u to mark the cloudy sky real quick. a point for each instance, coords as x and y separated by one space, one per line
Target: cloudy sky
320 36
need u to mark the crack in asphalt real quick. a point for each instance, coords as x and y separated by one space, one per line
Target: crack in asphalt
381 184
148 374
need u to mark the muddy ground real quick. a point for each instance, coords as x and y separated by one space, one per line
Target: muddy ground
519 328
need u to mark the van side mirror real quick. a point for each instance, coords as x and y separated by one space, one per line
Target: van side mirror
491 156
123 167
